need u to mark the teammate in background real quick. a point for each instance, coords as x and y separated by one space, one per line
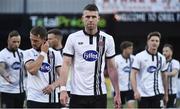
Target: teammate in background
55 38
12 73
85 51
172 74
43 65
123 63
148 78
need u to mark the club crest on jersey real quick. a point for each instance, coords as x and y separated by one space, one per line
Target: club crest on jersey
151 69
126 69
45 68
16 65
90 55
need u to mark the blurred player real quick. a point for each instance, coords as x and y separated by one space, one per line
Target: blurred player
12 73
123 63
172 74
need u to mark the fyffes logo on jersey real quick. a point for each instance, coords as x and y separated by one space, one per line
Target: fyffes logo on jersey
151 69
90 55
45 68
126 69
16 65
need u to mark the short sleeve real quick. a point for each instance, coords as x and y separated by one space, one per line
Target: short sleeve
164 64
2 60
69 49
110 48
27 56
136 64
175 65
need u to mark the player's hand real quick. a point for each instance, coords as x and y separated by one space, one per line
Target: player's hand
45 47
48 89
7 78
137 95
165 99
117 101
64 98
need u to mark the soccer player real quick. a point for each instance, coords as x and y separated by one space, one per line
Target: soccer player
43 65
172 74
55 38
148 77
12 73
123 63
85 51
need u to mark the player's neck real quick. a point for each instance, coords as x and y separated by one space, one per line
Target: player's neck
91 31
59 46
125 55
168 58
152 51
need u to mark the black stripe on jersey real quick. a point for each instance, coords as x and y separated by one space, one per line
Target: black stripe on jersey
100 40
49 77
54 75
91 40
69 55
170 78
109 57
129 82
95 70
21 86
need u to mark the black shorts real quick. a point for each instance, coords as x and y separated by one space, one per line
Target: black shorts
34 104
78 101
171 101
10 100
126 96
151 102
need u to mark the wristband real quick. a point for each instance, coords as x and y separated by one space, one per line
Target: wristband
63 88
42 53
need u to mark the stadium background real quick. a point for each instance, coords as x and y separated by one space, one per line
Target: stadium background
130 24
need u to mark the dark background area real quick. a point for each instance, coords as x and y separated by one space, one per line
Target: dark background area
121 31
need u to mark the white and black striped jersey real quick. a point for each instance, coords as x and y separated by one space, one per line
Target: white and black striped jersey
46 75
172 64
89 53
149 78
14 63
124 69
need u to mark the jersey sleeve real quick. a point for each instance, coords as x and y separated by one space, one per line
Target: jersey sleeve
175 65
27 56
110 48
2 60
69 48
164 64
136 64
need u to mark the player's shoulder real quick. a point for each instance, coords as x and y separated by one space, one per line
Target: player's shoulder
175 61
76 34
161 55
105 34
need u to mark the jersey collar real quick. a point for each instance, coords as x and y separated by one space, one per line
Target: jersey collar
96 34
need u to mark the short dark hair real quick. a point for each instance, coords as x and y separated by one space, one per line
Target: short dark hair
13 33
155 33
125 44
91 7
55 31
38 30
170 46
